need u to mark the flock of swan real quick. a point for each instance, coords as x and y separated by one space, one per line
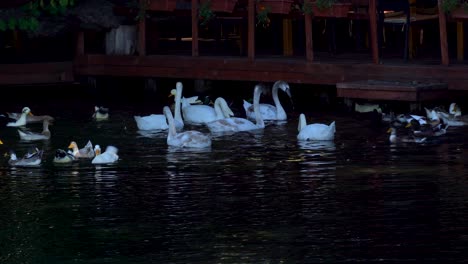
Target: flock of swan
221 119
218 119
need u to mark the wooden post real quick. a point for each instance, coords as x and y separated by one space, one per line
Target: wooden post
195 28
460 41
308 37
373 30
287 37
80 49
443 35
142 36
251 30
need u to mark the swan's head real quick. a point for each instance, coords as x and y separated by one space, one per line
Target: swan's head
26 111
72 145
454 109
1 142
97 150
283 86
179 85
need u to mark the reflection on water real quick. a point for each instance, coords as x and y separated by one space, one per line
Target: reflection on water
253 197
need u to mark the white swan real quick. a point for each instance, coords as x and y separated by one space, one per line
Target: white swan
268 111
86 152
236 124
32 136
107 157
315 131
202 114
158 122
189 139
22 119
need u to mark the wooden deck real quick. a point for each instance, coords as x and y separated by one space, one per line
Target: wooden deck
267 69
36 73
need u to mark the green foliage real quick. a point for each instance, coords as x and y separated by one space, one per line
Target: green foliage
32 12
449 5
262 15
325 4
205 14
306 7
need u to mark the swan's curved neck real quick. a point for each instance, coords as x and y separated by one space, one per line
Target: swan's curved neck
256 104
279 108
170 121
302 122
218 109
177 114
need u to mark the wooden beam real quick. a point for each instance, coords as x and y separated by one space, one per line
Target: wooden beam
142 36
80 46
460 41
373 30
195 28
308 37
251 30
287 37
443 35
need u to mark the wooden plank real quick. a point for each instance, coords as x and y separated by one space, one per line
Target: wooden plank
194 10
443 35
460 41
36 73
80 45
287 37
373 30
308 37
142 35
251 30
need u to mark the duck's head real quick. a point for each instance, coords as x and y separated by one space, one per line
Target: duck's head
172 93
72 145
391 131
455 109
97 150
26 111
1 142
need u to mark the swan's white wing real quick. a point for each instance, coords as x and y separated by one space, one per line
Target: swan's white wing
198 114
232 124
190 139
105 158
151 122
317 132
267 111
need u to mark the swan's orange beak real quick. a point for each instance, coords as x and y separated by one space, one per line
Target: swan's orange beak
1 142
30 114
71 145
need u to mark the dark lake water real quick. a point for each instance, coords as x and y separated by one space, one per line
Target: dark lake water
252 198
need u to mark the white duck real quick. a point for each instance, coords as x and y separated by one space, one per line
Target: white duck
236 124
22 119
86 152
32 136
188 139
268 111
107 157
394 139
202 114
452 118
30 159
158 122
101 113
315 131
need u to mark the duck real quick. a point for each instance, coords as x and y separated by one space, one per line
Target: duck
268 111
107 157
33 158
32 136
201 114
30 118
62 156
186 139
101 113
394 139
22 119
237 124
86 152
367 108
158 121
315 131
427 130
452 118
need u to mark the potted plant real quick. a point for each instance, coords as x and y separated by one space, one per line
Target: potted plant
205 13
456 8
262 16
275 6
326 8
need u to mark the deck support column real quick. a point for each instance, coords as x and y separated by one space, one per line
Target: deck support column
308 37
142 34
460 41
80 49
373 31
195 28
287 37
251 30
443 35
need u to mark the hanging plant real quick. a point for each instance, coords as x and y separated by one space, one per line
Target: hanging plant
262 16
205 14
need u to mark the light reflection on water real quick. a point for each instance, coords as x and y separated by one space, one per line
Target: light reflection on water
253 197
